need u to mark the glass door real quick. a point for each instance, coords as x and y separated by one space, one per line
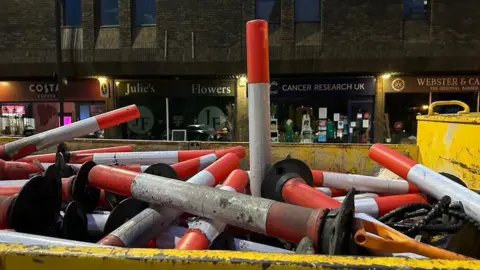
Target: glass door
360 121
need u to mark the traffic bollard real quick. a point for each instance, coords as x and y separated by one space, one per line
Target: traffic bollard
202 232
33 239
358 196
151 221
379 206
25 146
258 77
35 206
184 169
252 213
362 183
332 192
10 170
290 180
71 156
147 157
428 181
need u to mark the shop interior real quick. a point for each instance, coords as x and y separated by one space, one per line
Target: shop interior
332 119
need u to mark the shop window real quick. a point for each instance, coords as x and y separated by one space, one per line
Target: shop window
84 111
269 10
307 10
72 13
145 12
108 12
469 98
402 109
415 9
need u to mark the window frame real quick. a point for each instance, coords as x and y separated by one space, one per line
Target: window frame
269 20
101 11
414 15
64 14
135 14
308 21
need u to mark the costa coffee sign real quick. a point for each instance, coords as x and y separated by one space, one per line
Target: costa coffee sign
431 84
24 91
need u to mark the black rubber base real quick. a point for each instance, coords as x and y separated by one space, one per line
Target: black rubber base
158 169
37 204
82 192
124 211
74 226
61 163
281 172
62 148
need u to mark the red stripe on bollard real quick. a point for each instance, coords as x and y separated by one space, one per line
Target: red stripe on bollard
10 170
258 68
399 164
296 191
193 239
118 116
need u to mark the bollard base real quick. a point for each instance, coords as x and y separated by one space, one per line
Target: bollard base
75 225
124 211
281 172
36 205
86 195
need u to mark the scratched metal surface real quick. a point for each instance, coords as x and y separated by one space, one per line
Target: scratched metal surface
16 257
451 144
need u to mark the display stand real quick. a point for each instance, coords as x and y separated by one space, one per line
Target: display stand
274 130
306 133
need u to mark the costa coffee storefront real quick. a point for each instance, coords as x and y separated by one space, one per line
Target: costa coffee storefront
409 96
179 109
34 104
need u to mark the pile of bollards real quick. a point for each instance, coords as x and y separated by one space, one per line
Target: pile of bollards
201 199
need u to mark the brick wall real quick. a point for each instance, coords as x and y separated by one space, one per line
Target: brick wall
207 37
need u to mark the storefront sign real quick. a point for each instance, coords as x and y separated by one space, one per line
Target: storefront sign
177 88
22 91
431 84
308 87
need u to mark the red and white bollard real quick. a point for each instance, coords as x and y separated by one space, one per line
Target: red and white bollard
362 183
427 180
11 170
358 196
25 146
332 192
258 76
151 221
202 232
379 206
252 213
35 206
147 157
50 158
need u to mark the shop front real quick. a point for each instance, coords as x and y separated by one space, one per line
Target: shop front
409 96
28 106
179 109
319 110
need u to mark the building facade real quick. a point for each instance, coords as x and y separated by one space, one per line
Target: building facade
153 41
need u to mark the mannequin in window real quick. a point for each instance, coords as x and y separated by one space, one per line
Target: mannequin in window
289 126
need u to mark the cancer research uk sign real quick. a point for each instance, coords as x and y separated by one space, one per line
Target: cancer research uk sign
300 87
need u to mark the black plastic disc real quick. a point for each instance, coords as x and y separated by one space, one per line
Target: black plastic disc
454 178
37 204
74 226
61 163
114 199
161 169
63 149
82 192
278 173
124 211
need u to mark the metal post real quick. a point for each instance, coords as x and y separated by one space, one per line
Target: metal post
58 47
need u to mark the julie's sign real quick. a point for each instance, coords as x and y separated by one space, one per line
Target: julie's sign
177 88
431 84
311 87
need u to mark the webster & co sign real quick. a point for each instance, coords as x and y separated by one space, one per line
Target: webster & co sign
177 88
408 84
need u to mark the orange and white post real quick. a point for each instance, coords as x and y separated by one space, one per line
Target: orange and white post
202 232
258 76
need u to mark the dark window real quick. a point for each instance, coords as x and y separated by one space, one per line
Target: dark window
415 9
72 13
469 98
307 10
109 12
145 12
268 10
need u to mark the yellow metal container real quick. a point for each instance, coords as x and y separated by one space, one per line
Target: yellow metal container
451 142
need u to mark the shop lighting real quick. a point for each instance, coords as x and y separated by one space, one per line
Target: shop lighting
4 83
117 83
102 80
386 76
243 80
425 107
